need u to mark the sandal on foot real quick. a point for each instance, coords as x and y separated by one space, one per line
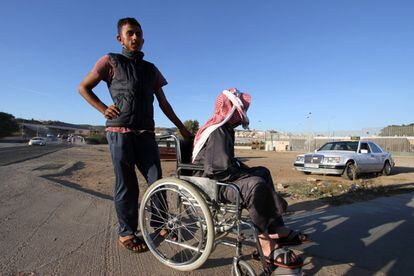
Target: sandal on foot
293 238
167 234
255 254
135 244
286 258
282 257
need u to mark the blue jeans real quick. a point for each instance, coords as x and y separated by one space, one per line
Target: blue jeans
129 150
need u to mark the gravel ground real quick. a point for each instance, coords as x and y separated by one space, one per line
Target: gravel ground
89 168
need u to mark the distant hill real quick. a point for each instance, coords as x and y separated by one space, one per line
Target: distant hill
162 130
396 130
60 124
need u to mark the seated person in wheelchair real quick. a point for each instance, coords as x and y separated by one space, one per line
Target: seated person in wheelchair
214 149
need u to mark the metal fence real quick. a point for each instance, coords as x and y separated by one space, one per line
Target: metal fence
307 143
400 131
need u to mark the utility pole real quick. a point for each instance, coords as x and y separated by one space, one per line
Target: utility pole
309 117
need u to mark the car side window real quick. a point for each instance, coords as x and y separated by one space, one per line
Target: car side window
327 146
364 146
340 146
375 148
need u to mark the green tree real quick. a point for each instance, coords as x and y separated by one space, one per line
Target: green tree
192 126
8 124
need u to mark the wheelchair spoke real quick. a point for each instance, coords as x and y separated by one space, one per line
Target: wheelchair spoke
158 221
192 223
163 196
159 228
187 227
157 235
159 211
180 211
164 206
191 233
185 211
192 248
185 253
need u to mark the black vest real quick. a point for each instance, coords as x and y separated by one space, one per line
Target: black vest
132 91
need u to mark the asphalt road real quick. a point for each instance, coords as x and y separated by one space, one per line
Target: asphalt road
11 155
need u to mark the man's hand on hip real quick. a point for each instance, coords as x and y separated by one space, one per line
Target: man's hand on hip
111 112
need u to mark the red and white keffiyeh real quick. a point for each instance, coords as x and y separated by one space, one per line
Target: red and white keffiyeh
231 106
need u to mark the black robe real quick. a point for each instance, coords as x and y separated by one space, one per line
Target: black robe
259 196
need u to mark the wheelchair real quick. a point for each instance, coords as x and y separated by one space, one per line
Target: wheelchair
188 207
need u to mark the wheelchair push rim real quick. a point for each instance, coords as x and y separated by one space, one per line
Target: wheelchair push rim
177 206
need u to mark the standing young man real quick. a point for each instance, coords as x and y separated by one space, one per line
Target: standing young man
132 83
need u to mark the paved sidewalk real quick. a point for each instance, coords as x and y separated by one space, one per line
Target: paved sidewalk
374 235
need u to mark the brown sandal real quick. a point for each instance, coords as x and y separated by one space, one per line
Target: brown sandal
286 258
293 238
135 244
282 257
167 234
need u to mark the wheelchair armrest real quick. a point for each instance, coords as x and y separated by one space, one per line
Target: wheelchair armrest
163 137
236 189
191 167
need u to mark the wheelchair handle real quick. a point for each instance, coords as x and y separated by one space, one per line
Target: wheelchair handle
176 142
165 136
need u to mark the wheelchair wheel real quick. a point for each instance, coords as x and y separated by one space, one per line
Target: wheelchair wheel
176 206
243 269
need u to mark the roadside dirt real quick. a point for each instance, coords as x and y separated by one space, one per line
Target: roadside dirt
89 168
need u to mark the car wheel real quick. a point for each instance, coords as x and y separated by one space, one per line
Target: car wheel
387 168
307 172
350 171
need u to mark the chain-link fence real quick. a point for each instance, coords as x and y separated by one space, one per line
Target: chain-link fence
390 138
400 131
311 143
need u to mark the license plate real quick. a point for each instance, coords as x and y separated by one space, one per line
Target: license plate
311 165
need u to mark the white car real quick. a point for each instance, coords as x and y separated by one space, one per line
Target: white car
37 141
348 158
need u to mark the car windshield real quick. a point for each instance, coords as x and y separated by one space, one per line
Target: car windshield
349 146
37 138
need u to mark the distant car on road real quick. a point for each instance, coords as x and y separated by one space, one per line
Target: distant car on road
347 158
51 137
37 141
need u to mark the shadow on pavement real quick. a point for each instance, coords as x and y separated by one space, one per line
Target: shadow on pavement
217 262
244 159
78 187
64 171
375 235
398 170
54 177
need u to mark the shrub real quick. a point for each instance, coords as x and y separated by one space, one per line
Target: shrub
96 139
8 124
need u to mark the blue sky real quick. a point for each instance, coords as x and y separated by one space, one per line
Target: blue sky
350 63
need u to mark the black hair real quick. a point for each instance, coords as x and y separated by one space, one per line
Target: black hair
127 20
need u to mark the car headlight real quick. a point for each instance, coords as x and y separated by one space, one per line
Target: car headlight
333 160
300 159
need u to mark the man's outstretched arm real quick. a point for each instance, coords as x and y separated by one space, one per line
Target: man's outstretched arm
85 89
169 112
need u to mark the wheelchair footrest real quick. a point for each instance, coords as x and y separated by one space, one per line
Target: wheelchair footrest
287 272
246 231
